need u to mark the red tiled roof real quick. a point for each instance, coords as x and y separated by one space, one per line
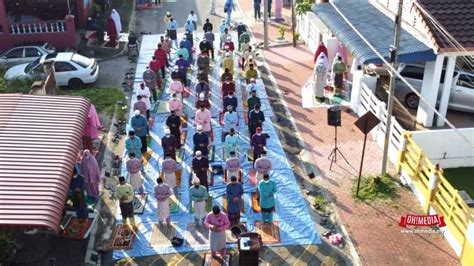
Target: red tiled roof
454 16
40 137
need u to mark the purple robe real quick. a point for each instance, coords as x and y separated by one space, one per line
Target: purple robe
134 165
256 142
200 168
169 144
91 172
169 166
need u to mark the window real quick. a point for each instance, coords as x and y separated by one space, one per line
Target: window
32 52
81 60
414 72
63 67
15 53
466 81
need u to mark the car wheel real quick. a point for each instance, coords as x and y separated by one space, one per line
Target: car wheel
74 84
412 100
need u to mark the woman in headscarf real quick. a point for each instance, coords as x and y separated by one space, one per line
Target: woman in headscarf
90 133
116 17
321 49
134 167
91 172
320 76
217 222
111 31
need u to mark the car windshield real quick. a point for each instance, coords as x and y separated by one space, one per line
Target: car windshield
81 60
32 65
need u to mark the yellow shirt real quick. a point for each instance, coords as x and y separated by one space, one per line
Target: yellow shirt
228 62
251 73
124 193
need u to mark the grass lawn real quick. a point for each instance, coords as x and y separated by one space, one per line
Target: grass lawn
124 8
461 179
18 86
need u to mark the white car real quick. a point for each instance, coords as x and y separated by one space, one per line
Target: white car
71 69
24 54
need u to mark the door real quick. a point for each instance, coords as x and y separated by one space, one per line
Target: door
14 57
63 72
462 93
31 54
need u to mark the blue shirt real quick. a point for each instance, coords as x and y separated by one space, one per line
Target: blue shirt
172 25
133 145
184 52
182 65
139 125
234 191
267 193
189 27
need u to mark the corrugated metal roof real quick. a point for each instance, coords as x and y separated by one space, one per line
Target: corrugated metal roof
40 137
376 27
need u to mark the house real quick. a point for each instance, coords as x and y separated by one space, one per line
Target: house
52 21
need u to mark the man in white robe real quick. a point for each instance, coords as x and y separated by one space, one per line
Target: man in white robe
320 76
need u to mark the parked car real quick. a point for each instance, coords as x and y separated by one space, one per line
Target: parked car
71 69
25 54
461 96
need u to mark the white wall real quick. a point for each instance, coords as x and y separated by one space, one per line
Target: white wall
446 147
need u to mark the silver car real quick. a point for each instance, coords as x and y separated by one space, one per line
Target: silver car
24 54
461 96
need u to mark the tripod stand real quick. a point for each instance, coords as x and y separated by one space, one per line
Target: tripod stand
333 154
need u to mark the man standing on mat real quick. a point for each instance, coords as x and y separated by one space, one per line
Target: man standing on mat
134 167
77 187
217 222
202 118
174 124
256 119
132 143
201 141
200 167
124 193
232 165
169 168
231 143
258 141
263 165
267 189
198 196
234 192
162 194
169 144
150 78
140 125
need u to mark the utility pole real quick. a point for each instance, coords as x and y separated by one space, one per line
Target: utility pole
293 21
265 24
394 62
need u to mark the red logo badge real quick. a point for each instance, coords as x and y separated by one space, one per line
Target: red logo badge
422 220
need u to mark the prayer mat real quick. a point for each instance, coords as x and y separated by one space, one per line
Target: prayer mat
184 134
161 235
196 235
224 203
252 177
221 118
255 203
211 136
184 121
246 117
149 139
244 98
239 179
210 178
270 232
186 92
179 155
231 238
225 156
174 203
210 260
146 157
250 154
211 156
208 204
122 238
139 203
161 107
76 230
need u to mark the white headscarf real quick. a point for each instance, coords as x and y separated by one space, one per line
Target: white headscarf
322 64
116 17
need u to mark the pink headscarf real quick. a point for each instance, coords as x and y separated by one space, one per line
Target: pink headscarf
93 123
90 168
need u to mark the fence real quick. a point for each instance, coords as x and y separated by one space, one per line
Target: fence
436 195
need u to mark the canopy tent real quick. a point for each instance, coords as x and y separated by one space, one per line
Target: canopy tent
40 137
376 27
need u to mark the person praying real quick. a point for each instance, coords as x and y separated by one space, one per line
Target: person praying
231 142
267 189
203 118
243 37
256 119
203 61
200 167
263 165
231 120
226 75
205 46
202 100
176 87
209 35
228 63
203 74
217 222
139 123
253 100
224 36
320 76
227 87
188 46
162 194
198 196
231 100
144 91
258 142
338 69
232 165
77 187
162 55
183 67
134 167
201 141
202 87
140 105
169 168
175 104
229 43
91 172
125 194
251 85
133 144
234 192
251 73
169 144
173 122
149 77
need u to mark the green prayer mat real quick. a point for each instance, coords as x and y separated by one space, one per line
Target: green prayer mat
211 156
174 204
208 204
250 155
161 106
179 155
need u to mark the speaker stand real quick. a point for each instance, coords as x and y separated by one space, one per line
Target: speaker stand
333 155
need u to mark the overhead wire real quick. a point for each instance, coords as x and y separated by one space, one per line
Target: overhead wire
393 70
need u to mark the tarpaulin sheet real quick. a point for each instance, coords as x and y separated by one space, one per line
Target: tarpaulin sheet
296 225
